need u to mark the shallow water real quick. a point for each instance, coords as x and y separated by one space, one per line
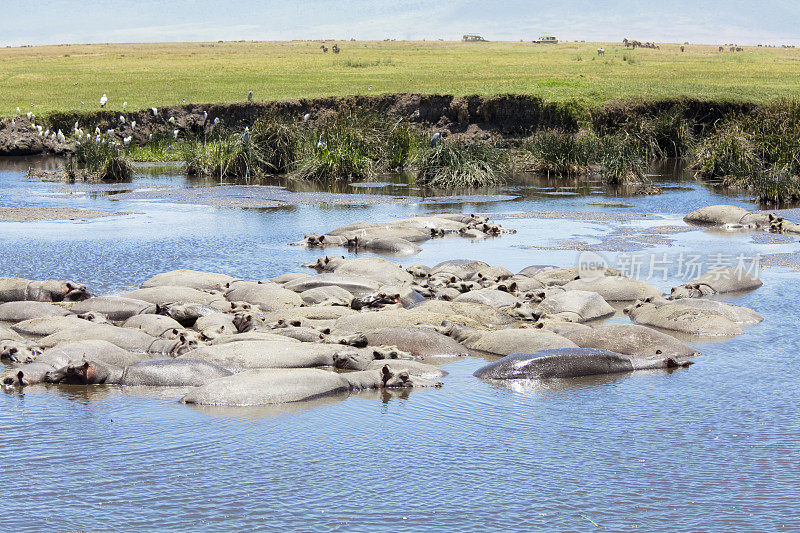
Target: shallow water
711 447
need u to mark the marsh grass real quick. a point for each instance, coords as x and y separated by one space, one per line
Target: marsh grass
221 156
557 152
161 148
104 161
621 161
456 164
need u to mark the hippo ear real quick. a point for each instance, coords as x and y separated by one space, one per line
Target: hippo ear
659 352
377 355
322 238
174 331
513 286
20 376
540 325
86 365
772 217
386 374
648 299
517 305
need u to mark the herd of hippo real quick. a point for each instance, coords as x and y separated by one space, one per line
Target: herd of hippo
355 324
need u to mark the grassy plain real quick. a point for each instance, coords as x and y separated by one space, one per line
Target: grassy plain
73 77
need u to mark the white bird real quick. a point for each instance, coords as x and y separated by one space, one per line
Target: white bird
175 133
127 140
171 120
18 111
97 130
216 121
124 105
205 115
370 88
306 117
246 135
133 124
321 144
250 96
154 110
436 139
61 137
13 123
150 137
88 136
28 114
76 125
47 132
31 104
52 136
184 100
81 102
103 100
122 119
110 132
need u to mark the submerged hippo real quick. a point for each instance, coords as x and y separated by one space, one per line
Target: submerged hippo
195 279
615 288
575 306
718 280
18 289
507 341
84 373
267 386
172 373
630 339
114 307
419 342
25 310
571 363
683 318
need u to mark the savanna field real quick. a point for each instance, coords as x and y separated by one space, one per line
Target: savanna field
73 77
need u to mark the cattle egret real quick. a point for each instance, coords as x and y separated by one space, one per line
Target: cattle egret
250 96
13 123
97 130
47 132
154 110
122 119
436 139
133 124
88 136
321 144
370 88
216 121
184 100
205 115
124 105
61 137
28 114
150 137
246 135
306 117
52 136
110 132
171 120
18 111
76 125
127 140
175 133
103 100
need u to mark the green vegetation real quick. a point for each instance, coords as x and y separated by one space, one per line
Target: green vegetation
60 78
759 151
558 152
459 164
103 161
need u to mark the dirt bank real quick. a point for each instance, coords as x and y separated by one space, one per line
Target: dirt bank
473 117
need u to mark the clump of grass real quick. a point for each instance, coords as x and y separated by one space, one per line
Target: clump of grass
458 164
104 160
221 156
620 160
160 148
274 144
559 152
355 63
403 141
728 153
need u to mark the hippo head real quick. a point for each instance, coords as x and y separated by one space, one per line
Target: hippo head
357 341
507 287
12 378
380 353
687 290
79 373
418 271
776 227
314 240
404 380
75 292
18 352
244 322
522 311
97 318
347 360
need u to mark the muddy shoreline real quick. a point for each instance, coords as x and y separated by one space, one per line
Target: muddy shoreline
472 118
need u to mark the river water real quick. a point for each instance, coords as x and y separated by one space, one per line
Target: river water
711 447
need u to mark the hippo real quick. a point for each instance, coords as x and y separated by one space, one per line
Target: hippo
254 335
735 313
303 334
385 245
169 294
172 373
215 324
116 308
26 310
268 296
266 386
84 373
717 215
615 288
40 327
195 279
571 363
575 306
419 342
376 269
356 285
155 325
330 295
359 361
290 276
91 350
186 314
7 334
682 318
394 318
18 351
27 374
630 339
716 281
321 240
507 341
126 338
419 271
491 297
561 276
457 269
468 314
18 289
286 353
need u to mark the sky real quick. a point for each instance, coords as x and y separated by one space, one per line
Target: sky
697 21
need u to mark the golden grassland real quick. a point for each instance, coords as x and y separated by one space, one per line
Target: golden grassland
73 77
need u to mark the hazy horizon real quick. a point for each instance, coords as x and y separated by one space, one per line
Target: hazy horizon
101 21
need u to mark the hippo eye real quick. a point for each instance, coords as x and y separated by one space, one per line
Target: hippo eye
12 351
659 352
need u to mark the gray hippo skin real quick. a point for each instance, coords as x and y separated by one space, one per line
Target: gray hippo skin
18 289
575 306
195 279
570 363
615 288
84 373
683 318
114 307
26 310
172 373
631 339
419 342
507 341
718 280
267 386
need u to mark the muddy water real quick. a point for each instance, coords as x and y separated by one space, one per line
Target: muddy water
712 447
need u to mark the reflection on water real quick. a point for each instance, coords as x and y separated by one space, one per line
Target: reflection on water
711 447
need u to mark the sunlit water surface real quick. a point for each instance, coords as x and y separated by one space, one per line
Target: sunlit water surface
712 447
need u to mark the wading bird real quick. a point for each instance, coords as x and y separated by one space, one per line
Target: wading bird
246 135
103 100
124 105
306 117
154 110
436 139
250 96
